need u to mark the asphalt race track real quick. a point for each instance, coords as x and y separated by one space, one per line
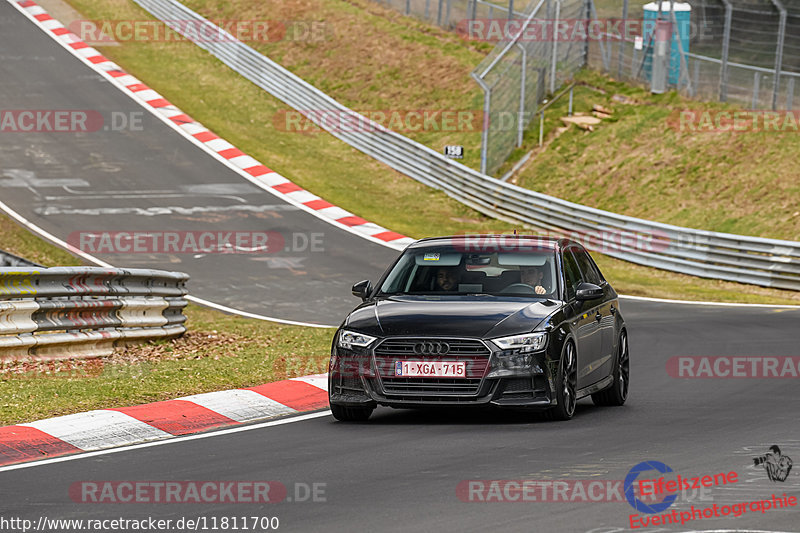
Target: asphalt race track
154 179
401 471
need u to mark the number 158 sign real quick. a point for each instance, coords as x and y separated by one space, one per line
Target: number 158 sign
454 151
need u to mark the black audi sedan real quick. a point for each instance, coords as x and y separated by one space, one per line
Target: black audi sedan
510 321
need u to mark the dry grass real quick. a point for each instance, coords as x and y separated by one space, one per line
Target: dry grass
640 164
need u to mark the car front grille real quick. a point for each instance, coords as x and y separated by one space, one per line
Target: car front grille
458 347
471 351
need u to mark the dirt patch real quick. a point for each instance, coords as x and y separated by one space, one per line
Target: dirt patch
192 345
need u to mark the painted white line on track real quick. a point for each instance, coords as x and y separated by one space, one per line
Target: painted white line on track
55 240
171 440
49 236
399 245
247 314
207 148
693 302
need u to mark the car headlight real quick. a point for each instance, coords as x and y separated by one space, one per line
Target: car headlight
349 339
529 342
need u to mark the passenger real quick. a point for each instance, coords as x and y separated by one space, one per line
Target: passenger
447 279
533 276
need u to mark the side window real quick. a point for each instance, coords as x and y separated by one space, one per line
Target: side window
589 270
572 274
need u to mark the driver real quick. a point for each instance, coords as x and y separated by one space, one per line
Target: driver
447 278
533 276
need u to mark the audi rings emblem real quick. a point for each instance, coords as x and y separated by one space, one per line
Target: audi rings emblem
431 348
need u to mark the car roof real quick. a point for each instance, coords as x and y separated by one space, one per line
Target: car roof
495 242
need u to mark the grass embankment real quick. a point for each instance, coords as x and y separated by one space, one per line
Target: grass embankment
219 352
224 351
642 162
243 114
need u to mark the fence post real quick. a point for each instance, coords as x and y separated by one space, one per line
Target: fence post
588 6
776 87
439 14
474 9
520 118
622 37
756 89
695 78
726 41
510 9
555 49
541 128
487 102
408 7
790 93
606 55
427 9
684 63
569 111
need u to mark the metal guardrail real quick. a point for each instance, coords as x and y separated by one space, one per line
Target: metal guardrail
754 260
80 312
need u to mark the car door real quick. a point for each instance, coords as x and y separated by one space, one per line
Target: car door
602 311
583 322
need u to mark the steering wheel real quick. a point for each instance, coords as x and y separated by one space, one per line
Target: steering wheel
514 287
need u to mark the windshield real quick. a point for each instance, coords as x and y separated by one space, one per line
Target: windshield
445 270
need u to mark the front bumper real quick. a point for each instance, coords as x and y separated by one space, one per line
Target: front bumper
358 378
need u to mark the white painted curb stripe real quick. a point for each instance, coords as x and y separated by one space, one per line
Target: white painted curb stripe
240 405
146 97
95 430
317 380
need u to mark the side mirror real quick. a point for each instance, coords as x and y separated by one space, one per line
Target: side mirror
362 289
588 291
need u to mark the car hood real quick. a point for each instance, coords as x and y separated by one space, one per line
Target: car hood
479 316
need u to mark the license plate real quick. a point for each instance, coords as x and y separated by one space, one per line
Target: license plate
430 369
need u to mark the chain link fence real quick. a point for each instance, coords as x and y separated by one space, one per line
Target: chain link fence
450 13
523 68
745 52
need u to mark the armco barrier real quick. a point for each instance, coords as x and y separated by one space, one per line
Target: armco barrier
754 260
79 312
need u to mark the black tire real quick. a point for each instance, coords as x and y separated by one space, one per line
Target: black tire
566 385
351 414
617 393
